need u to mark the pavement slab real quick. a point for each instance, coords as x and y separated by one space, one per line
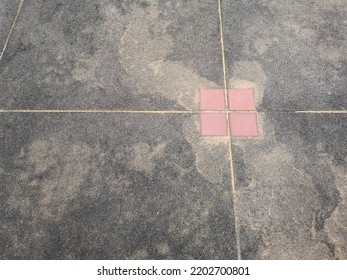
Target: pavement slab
291 185
292 52
105 186
112 54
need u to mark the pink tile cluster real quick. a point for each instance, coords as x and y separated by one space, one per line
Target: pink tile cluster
241 110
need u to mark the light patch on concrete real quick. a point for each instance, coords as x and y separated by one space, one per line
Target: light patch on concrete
143 157
163 248
249 74
263 44
210 152
55 183
139 255
144 60
40 156
145 39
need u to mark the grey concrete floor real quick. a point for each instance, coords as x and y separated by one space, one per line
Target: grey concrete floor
100 151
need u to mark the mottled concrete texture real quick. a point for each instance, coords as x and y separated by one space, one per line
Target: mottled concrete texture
113 187
132 183
292 183
111 54
292 180
293 52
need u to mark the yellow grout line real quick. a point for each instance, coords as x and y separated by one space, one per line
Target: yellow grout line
12 27
157 111
98 111
120 111
321 112
231 161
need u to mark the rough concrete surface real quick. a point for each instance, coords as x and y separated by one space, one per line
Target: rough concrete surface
125 186
293 52
100 150
292 185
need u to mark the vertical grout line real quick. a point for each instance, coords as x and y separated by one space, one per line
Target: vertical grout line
12 27
233 185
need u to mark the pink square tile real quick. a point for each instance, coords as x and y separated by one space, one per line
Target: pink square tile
213 124
243 124
212 99
241 99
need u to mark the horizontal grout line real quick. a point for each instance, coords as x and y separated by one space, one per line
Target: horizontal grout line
110 111
321 112
272 110
118 111
95 111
